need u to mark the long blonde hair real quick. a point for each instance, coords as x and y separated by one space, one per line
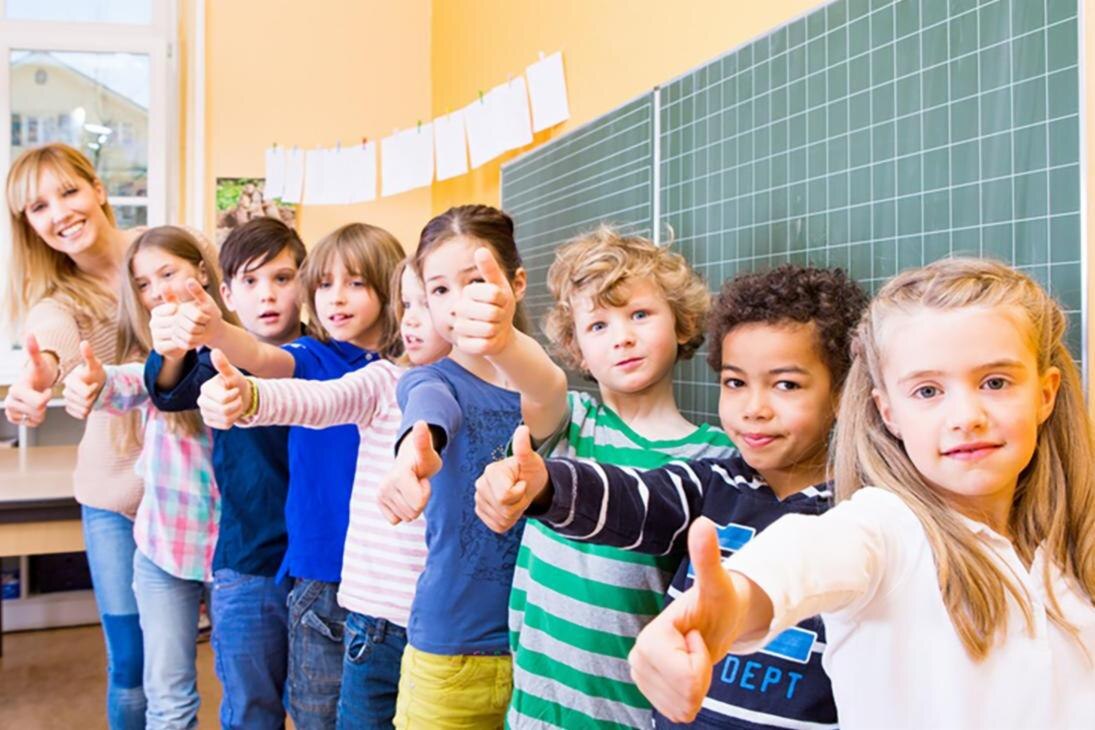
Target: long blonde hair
38 271
1054 502
134 336
366 251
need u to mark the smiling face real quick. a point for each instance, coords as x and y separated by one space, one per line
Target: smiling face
67 212
420 340
777 402
155 271
348 308
961 389
631 347
267 298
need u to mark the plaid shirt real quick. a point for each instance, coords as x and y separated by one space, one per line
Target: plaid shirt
177 520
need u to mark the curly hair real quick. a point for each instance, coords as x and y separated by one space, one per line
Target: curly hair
789 293
600 264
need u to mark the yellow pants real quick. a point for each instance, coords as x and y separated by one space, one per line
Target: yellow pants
452 692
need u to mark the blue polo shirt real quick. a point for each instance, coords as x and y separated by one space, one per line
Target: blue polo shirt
322 463
252 470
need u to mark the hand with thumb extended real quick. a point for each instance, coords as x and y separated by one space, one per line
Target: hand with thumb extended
162 324
226 396
197 321
507 487
672 658
484 314
405 489
84 383
29 395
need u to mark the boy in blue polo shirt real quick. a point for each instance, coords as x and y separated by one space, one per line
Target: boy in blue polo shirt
260 261
780 343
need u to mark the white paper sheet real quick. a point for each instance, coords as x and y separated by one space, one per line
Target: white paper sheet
316 180
359 172
294 176
406 160
547 91
511 100
275 173
450 145
484 143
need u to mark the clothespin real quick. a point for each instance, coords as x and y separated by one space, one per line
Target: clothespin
274 146
364 141
480 96
338 145
420 126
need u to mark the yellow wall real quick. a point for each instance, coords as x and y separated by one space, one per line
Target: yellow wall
613 50
309 74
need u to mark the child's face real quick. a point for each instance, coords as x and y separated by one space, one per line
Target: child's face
155 271
67 212
348 308
629 348
420 340
776 401
961 389
446 271
267 298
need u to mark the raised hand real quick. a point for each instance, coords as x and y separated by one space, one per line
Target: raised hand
83 384
226 396
672 658
484 314
507 487
162 323
198 321
28 396
405 490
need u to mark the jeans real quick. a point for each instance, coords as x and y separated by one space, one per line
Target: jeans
251 648
370 672
108 538
169 618
316 625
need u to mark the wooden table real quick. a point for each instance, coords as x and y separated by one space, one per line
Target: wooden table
38 513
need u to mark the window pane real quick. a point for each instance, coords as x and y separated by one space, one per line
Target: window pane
130 216
96 102
135 12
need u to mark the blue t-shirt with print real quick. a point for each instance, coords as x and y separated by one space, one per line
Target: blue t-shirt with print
461 603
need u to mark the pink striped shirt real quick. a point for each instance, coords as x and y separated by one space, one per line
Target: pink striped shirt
381 562
179 515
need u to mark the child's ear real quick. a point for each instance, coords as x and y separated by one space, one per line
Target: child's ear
203 275
882 403
226 295
519 283
1050 383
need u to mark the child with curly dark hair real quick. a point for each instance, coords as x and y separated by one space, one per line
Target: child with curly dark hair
780 344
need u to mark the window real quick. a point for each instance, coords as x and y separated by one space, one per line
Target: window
97 75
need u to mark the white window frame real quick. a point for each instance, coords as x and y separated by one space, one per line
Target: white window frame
157 40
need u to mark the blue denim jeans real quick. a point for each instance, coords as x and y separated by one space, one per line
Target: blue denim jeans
316 625
169 618
251 648
370 672
108 539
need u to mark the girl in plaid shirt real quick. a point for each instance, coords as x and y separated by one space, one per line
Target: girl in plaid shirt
176 524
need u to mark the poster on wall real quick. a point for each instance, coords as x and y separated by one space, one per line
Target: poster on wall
240 199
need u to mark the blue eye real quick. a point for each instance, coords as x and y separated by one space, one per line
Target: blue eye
597 326
641 314
926 391
996 383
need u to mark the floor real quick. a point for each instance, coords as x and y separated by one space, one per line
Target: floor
57 679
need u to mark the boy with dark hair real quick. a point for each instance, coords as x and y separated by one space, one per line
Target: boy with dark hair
259 261
780 345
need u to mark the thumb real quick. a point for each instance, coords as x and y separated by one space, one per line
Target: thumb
224 366
34 352
712 580
522 446
90 360
198 292
422 441
489 269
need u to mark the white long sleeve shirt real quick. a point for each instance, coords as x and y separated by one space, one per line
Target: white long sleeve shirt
893 655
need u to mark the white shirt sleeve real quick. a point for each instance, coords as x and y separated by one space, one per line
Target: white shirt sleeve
836 562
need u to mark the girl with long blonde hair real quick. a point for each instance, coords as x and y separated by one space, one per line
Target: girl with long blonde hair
64 273
177 522
956 577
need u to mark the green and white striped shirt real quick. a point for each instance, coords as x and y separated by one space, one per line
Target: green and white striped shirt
576 608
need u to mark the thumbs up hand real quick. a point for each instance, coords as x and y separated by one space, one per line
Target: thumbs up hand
161 322
484 314
672 658
508 487
405 490
82 386
197 321
226 396
28 396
